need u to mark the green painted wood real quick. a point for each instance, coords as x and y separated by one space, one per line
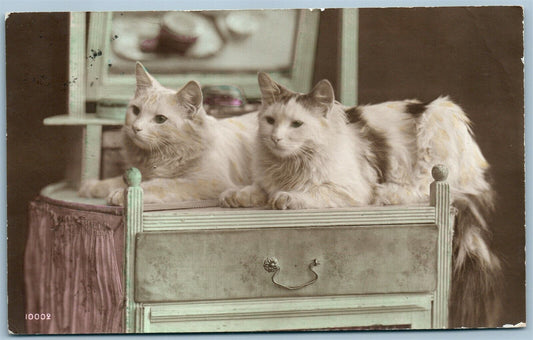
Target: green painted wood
73 173
440 199
88 119
181 205
228 264
133 209
76 81
219 218
304 53
411 310
91 153
349 56
212 258
98 48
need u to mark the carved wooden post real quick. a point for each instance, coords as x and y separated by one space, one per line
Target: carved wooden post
77 68
440 199
133 224
91 152
349 56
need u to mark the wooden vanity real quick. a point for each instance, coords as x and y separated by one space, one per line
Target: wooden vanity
194 267
106 269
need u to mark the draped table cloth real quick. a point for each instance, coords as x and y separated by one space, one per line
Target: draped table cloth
73 268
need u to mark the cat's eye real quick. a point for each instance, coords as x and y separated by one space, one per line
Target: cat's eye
270 120
296 123
160 119
135 110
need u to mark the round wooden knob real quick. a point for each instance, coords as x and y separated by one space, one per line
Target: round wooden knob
133 177
439 172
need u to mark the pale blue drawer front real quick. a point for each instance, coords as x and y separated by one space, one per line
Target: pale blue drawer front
228 264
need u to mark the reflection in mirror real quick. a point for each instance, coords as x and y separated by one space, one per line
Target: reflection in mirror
205 41
215 48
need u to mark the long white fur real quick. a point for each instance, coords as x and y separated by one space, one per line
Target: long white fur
441 135
191 156
328 163
318 164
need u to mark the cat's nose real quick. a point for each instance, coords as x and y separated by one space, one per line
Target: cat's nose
136 129
275 139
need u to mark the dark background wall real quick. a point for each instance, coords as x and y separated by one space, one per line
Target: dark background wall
471 54
36 72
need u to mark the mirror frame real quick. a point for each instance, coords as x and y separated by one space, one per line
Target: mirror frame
101 84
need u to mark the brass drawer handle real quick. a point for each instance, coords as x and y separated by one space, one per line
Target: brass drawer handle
271 265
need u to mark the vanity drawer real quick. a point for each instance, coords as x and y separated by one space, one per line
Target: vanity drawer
189 265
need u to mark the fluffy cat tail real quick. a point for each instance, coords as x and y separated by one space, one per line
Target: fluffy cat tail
477 279
444 129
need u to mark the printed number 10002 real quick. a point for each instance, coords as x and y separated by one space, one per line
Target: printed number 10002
37 316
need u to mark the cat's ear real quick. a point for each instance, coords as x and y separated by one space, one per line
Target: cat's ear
143 78
190 96
322 95
270 90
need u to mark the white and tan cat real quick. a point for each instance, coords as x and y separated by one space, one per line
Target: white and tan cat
307 155
314 153
183 153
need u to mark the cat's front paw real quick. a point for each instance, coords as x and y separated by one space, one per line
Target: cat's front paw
235 198
249 196
283 200
116 197
229 199
93 188
380 200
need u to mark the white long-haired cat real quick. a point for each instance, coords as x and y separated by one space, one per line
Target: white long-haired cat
183 153
307 155
314 153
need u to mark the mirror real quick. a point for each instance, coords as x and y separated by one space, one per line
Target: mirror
212 47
